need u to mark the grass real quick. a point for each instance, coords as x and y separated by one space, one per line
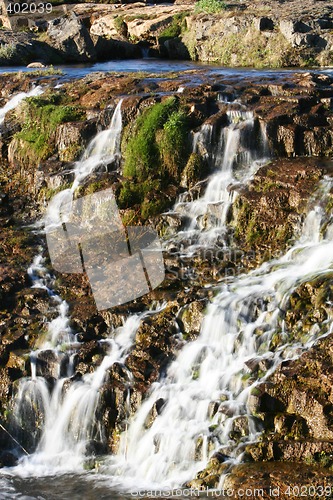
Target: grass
7 51
248 48
209 6
156 150
41 116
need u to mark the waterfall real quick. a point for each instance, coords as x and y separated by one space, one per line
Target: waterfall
206 388
67 414
70 424
101 151
237 154
16 99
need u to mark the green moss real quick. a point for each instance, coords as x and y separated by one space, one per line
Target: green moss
156 150
48 193
209 6
130 194
142 153
173 144
42 115
176 27
196 168
146 195
120 25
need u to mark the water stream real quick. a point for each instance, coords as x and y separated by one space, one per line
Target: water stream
239 150
206 388
17 99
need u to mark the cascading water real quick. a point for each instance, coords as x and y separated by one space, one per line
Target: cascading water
70 413
207 387
17 99
238 153
102 150
68 416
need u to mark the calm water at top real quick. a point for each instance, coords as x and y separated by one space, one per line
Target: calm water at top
157 66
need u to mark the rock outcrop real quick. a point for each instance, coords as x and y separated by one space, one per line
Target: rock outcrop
71 38
300 37
296 401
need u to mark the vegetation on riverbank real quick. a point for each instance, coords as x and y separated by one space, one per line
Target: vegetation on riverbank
41 117
155 155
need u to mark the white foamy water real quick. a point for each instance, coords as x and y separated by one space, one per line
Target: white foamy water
241 325
17 99
237 154
101 151
206 388
68 417
69 413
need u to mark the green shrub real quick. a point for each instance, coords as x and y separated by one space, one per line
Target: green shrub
8 51
209 6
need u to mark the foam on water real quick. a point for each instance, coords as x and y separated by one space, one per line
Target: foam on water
17 99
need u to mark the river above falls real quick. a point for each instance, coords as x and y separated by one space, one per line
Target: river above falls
156 66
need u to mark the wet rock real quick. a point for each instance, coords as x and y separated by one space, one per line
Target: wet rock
17 361
155 344
191 318
119 49
72 138
36 65
196 169
176 49
47 364
154 412
289 450
210 476
283 480
7 459
277 197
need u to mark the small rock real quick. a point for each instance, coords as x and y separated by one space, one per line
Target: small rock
36 65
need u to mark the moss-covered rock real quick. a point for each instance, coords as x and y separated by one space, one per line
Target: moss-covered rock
267 214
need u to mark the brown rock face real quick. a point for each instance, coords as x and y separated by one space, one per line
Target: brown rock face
269 210
278 480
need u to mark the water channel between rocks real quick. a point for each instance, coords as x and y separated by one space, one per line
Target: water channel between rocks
204 395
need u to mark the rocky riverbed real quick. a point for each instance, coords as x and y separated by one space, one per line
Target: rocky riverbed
40 140
258 34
